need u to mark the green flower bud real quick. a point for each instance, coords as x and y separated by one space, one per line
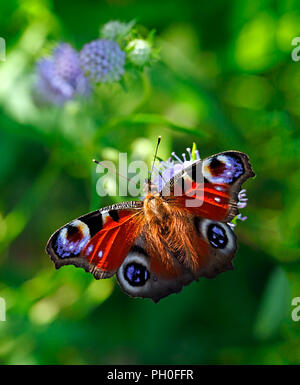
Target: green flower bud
139 52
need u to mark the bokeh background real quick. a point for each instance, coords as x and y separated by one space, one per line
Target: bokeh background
225 80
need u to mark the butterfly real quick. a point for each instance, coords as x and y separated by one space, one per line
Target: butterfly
160 244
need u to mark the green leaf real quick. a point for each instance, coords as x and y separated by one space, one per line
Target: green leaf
274 305
153 119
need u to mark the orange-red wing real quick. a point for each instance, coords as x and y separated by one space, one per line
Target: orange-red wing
208 200
108 248
209 188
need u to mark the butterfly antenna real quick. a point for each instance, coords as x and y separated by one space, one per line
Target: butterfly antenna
155 155
129 180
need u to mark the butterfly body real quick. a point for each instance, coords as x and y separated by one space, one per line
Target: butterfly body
162 243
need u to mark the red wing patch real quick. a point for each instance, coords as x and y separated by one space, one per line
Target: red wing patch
210 200
109 247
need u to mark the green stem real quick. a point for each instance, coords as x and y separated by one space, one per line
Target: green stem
147 92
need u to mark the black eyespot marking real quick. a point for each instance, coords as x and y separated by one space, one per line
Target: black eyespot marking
94 222
196 172
215 163
136 274
217 236
197 224
114 215
139 250
72 230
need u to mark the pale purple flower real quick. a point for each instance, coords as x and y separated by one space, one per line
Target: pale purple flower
166 170
242 197
59 77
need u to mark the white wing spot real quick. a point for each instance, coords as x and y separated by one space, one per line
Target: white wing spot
90 249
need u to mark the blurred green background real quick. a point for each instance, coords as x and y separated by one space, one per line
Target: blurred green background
226 80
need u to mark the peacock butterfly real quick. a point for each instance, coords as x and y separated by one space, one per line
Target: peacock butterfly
159 244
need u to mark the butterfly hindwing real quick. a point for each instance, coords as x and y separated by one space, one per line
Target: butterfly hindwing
98 242
144 275
219 246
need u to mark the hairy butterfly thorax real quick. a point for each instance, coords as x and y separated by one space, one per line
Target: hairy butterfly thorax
167 239
156 208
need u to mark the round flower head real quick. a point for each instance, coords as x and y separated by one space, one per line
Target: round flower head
115 29
102 61
66 62
139 52
60 77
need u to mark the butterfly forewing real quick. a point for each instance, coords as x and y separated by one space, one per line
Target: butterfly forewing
214 190
97 241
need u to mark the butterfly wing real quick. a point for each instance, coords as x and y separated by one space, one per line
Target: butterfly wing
99 241
144 275
200 227
112 233
210 187
229 169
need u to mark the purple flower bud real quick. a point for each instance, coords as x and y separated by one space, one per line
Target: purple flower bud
102 61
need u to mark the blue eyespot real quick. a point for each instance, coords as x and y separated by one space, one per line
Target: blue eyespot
223 168
217 236
71 239
136 274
